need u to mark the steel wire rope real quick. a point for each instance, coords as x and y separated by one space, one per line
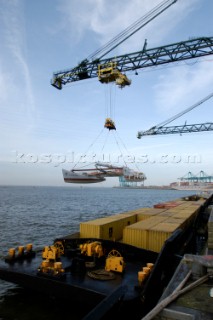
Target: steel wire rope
119 149
162 124
110 102
110 98
114 102
104 144
105 141
85 153
129 31
128 153
106 101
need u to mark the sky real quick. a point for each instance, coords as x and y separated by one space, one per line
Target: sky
44 129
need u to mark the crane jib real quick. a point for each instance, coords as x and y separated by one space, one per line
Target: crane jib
83 73
175 52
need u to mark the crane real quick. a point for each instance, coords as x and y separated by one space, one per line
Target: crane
162 129
114 68
175 52
94 65
177 129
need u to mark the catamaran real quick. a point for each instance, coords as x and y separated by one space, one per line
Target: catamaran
100 173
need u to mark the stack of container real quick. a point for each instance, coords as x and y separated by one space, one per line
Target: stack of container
146 228
155 227
108 228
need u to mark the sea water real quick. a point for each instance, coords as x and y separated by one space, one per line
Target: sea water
38 215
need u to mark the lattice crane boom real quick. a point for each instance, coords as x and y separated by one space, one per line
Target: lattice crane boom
163 129
175 52
177 129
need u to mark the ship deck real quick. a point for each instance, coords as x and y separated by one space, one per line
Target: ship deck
75 284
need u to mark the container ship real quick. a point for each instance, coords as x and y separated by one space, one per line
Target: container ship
194 186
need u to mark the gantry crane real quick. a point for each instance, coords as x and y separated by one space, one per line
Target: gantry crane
163 129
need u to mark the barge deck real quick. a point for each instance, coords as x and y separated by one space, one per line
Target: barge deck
103 265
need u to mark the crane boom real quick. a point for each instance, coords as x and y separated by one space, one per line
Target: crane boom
177 129
162 129
175 52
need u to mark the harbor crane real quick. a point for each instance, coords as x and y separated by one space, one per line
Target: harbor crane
208 126
175 52
161 128
112 69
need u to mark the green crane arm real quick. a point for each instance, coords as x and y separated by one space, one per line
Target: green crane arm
177 129
175 52
162 129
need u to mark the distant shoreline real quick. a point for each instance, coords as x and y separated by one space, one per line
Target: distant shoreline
147 187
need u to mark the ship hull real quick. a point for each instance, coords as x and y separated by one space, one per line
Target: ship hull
73 177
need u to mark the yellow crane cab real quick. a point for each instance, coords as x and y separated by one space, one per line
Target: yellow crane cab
108 72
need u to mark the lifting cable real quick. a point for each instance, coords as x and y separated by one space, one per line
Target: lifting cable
129 31
116 138
85 153
119 149
105 141
128 153
162 124
110 98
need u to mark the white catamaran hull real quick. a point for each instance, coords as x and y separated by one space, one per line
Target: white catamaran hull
100 173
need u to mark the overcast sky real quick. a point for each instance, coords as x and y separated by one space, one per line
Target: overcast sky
44 129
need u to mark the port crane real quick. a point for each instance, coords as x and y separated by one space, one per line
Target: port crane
199 127
161 128
113 69
175 52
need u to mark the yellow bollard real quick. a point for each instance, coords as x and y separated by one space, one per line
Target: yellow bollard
141 277
29 247
150 265
20 251
11 253
146 270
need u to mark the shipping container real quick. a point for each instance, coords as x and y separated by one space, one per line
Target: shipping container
158 234
148 213
177 221
137 234
108 228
